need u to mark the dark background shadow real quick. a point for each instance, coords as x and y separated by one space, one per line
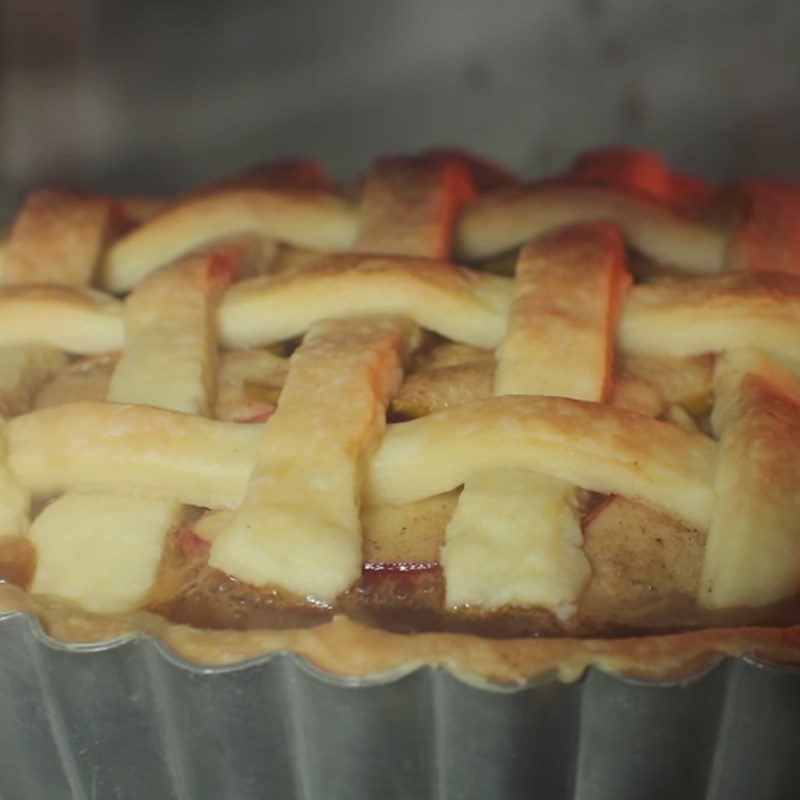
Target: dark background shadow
154 96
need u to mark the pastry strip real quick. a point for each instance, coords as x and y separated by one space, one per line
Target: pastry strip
623 168
23 369
711 315
408 207
112 447
75 320
458 303
674 318
170 355
58 238
502 220
298 526
304 218
90 446
752 555
102 550
596 447
766 234
515 537
498 221
568 291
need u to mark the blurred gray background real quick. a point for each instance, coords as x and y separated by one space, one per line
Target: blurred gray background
151 96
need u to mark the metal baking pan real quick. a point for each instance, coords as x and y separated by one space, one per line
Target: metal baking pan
130 719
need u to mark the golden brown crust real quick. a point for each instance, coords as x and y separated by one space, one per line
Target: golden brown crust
454 301
286 174
515 537
47 445
567 295
484 174
350 649
306 218
298 524
501 220
594 446
637 171
74 319
57 238
408 206
766 236
136 209
170 354
106 446
709 315
752 558
671 318
309 214
169 361
640 172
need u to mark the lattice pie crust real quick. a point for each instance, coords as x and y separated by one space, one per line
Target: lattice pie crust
592 392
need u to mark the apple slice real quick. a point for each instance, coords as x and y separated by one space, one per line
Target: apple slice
101 550
23 370
644 561
408 536
395 538
249 384
686 381
85 379
444 387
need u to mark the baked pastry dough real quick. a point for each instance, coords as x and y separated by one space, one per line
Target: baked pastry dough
759 310
515 538
298 525
58 238
316 401
169 361
506 219
302 217
455 302
751 556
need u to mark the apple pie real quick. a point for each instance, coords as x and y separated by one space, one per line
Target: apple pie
438 415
